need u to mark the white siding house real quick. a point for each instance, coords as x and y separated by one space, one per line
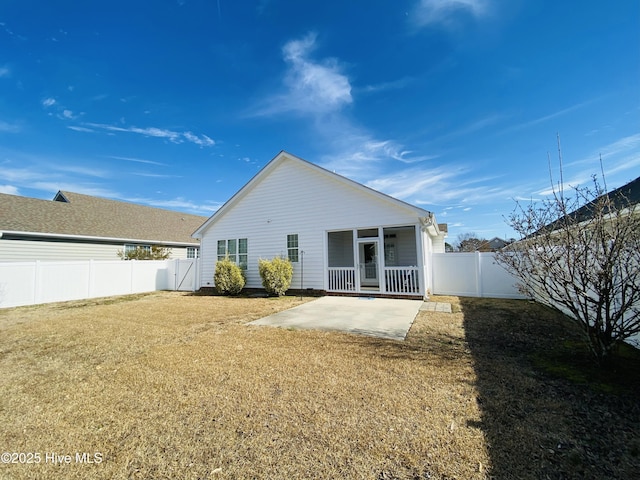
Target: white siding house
341 236
73 226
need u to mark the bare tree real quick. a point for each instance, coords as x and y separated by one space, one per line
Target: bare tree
470 242
581 254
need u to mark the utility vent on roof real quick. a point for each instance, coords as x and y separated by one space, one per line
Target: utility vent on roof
60 198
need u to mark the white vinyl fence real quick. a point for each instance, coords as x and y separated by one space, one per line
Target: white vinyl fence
29 283
474 274
478 275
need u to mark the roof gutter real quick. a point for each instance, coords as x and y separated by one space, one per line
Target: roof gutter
62 236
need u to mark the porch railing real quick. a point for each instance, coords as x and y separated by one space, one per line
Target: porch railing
401 280
342 279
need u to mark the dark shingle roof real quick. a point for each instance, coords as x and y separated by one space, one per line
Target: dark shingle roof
622 197
83 215
625 196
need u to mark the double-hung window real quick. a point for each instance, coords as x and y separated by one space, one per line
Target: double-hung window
242 253
235 249
292 247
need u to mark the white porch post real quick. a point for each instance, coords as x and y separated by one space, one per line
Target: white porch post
356 257
325 259
421 258
381 264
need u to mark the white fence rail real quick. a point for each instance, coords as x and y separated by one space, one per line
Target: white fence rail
29 283
473 274
401 280
342 279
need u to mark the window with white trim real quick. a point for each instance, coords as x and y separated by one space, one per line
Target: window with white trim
235 249
192 252
292 247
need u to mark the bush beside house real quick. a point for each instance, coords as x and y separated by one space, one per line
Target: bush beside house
276 275
228 278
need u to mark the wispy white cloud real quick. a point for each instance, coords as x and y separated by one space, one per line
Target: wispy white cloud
201 140
385 86
54 107
620 162
545 118
28 171
445 12
624 145
360 156
86 171
5 72
11 33
9 127
80 129
413 181
51 177
137 160
480 124
21 176
9 189
179 203
313 87
320 90
170 135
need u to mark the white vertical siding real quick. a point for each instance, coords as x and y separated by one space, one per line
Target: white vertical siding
296 198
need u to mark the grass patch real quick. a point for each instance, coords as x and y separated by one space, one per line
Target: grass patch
548 410
170 385
572 360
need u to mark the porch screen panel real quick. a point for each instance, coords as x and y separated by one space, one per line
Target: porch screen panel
340 246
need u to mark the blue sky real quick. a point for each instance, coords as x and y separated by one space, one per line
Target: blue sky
451 105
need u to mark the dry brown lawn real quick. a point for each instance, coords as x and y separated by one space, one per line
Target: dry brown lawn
170 385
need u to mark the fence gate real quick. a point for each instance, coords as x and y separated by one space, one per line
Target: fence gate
186 277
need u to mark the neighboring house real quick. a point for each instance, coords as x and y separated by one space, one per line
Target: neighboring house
623 197
497 243
73 226
341 236
620 198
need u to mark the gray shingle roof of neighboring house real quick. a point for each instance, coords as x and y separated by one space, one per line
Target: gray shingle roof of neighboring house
626 195
77 215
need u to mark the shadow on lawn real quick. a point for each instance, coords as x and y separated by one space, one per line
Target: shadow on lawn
547 411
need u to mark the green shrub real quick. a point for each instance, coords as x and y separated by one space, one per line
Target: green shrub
228 277
156 252
276 275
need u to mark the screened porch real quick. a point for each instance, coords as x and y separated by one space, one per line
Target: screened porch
381 260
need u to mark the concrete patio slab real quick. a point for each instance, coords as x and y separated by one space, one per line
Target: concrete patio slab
379 317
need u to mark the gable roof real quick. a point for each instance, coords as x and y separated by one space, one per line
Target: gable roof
620 198
625 196
76 215
425 215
